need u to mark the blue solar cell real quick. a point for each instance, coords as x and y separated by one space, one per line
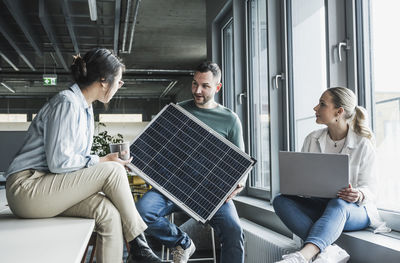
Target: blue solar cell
188 162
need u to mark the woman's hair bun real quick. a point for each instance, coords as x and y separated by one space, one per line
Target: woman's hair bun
98 64
78 68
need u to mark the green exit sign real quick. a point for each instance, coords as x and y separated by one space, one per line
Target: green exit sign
50 80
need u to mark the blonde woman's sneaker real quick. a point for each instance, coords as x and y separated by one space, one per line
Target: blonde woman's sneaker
180 255
295 257
332 254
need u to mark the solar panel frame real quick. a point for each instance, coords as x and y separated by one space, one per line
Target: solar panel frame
171 196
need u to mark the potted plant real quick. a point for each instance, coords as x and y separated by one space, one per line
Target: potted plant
102 140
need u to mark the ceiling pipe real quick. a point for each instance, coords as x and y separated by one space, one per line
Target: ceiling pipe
135 11
117 21
54 59
11 39
7 87
48 27
140 96
168 88
132 71
147 80
92 10
16 10
161 71
68 21
9 61
128 8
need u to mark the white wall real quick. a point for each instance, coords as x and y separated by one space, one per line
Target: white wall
128 130
14 126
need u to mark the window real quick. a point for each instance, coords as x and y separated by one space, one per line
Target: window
309 72
227 65
259 95
386 99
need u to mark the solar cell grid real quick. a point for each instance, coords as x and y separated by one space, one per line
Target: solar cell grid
188 162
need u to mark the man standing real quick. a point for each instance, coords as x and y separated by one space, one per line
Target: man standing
153 206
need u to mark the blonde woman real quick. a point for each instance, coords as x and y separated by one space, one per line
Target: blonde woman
320 221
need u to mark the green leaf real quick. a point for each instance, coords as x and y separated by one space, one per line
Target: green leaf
102 140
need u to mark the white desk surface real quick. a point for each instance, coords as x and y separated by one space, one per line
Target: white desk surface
3 200
58 239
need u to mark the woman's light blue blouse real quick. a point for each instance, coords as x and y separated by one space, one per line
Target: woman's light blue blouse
60 137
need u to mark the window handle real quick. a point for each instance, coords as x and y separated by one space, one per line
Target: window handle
241 96
346 45
277 78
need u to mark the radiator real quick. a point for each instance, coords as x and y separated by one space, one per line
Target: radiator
263 245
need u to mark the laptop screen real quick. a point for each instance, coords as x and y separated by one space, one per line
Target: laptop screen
313 174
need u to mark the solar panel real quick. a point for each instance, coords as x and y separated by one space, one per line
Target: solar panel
188 162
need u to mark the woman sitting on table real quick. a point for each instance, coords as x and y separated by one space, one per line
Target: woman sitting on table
54 174
320 221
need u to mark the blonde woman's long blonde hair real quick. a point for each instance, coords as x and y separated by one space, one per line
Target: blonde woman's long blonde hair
345 98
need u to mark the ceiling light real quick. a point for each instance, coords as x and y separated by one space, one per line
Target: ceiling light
7 87
92 10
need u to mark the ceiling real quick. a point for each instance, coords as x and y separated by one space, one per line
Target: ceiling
40 36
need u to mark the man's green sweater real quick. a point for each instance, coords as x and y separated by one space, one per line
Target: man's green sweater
220 119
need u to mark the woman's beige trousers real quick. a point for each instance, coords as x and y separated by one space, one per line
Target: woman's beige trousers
100 192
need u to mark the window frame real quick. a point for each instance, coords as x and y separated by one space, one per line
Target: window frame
253 191
365 87
276 37
227 94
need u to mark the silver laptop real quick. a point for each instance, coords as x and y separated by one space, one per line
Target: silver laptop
313 174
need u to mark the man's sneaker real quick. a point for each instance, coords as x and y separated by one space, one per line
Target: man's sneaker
332 254
180 255
295 257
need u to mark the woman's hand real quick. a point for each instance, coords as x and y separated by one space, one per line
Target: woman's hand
113 157
350 194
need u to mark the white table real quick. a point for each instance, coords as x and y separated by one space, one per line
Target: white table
59 239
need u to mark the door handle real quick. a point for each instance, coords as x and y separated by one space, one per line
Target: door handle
241 96
277 78
346 45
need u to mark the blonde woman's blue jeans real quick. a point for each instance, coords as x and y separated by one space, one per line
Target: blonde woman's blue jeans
319 221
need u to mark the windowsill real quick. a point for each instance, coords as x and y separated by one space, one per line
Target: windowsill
388 240
356 239
259 203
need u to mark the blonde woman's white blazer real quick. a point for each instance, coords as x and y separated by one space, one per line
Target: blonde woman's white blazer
362 175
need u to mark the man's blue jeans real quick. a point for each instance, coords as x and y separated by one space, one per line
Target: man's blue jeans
153 207
319 221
